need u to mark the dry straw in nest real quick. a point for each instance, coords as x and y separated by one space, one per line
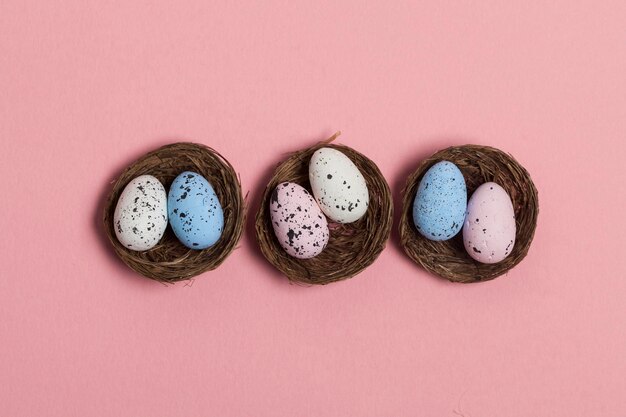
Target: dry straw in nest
479 164
352 247
170 261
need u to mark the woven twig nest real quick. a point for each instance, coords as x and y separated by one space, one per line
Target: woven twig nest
170 261
352 247
479 164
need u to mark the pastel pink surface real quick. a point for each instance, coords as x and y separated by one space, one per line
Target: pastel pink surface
88 86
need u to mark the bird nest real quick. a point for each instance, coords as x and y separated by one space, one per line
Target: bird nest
170 261
351 247
479 164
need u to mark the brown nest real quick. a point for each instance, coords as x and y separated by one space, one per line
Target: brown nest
479 164
170 261
352 247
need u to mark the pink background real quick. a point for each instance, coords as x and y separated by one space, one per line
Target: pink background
88 86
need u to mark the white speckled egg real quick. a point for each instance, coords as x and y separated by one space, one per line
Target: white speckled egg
489 229
140 216
299 224
338 185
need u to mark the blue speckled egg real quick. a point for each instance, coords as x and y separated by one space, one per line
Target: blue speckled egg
195 213
440 202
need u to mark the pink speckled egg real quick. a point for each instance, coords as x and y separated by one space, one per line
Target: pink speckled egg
489 228
299 224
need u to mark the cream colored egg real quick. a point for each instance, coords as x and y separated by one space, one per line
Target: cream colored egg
338 185
140 217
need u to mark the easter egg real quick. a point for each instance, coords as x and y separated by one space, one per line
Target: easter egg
298 222
489 229
195 212
338 185
440 202
140 217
